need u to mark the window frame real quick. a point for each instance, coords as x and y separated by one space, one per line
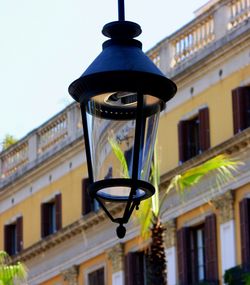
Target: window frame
240 108
202 138
13 240
195 278
92 269
51 215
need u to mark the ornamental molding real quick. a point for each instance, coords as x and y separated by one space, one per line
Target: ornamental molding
70 275
116 256
170 233
224 204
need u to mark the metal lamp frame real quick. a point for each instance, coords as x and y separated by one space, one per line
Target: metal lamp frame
122 66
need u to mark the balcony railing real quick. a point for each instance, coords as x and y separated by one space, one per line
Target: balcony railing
193 38
14 159
52 133
216 21
49 138
239 11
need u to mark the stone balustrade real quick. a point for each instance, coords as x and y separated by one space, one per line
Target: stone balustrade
192 39
212 24
43 142
215 21
53 133
14 159
239 11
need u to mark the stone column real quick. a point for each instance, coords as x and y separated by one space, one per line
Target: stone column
116 256
170 244
167 53
70 275
225 207
221 21
33 147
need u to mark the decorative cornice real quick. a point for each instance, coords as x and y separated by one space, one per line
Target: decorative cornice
116 256
70 275
170 233
225 206
83 224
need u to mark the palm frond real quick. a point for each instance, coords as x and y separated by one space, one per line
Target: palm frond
222 166
120 156
9 273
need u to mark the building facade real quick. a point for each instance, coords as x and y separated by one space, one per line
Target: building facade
48 221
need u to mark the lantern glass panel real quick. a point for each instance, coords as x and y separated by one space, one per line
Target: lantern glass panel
112 125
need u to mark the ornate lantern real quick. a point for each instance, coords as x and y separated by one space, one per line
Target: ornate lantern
121 95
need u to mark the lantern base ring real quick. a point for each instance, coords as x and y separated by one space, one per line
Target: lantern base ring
108 190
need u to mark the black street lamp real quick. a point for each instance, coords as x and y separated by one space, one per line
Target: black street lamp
121 95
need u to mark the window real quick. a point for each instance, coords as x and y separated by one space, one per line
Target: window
194 135
96 277
245 232
88 204
197 249
197 253
13 237
51 216
135 268
241 108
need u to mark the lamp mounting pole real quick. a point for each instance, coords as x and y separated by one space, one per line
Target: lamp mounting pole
121 10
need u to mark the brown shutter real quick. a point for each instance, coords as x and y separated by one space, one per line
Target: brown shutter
183 255
245 231
100 276
93 278
239 108
134 268
86 200
19 233
58 205
211 257
45 219
183 140
96 277
204 130
7 239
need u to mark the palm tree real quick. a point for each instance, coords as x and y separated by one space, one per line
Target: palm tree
11 274
150 210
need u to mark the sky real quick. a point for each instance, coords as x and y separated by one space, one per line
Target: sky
47 44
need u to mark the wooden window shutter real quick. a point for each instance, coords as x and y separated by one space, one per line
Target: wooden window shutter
239 108
7 239
204 130
19 233
183 255
211 257
96 277
134 268
100 276
93 278
182 140
45 222
58 205
245 231
86 200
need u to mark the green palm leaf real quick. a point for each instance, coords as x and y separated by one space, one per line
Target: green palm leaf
222 166
11 274
120 156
